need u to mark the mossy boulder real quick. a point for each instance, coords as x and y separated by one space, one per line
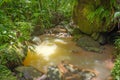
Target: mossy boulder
89 44
93 16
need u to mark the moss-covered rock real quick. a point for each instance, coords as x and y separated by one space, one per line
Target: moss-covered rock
89 44
93 16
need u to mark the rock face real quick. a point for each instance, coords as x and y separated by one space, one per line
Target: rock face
28 73
93 16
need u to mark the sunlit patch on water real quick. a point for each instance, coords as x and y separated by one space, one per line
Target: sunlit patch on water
46 49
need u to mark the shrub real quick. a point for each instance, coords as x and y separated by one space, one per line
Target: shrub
117 46
116 69
10 57
6 74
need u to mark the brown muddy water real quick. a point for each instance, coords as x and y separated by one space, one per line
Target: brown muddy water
53 50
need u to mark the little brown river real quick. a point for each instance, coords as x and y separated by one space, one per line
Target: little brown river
52 51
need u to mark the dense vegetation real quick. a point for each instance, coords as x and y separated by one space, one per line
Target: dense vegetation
116 69
6 74
20 18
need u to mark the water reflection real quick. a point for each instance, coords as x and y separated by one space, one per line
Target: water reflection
46 49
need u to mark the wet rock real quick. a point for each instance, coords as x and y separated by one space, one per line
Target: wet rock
59 28
89 44
53 73
27 73
63 35
36 40
59 31
87 75
67 72
80 74
71 72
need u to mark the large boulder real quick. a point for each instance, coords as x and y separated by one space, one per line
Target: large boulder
93 16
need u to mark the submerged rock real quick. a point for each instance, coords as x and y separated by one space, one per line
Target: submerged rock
87 75
28 73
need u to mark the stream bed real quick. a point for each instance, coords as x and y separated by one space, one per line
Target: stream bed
51 51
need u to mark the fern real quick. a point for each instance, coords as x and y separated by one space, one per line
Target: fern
100 15
94 14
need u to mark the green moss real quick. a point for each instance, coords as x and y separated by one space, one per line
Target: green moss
89 44
93 16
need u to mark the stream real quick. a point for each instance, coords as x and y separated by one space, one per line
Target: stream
51 51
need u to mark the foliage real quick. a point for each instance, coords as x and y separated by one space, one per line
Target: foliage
116 69
9 56
6 35
24 30
117 46
6 74
101 14
17 18
117 43
39 12
11 32
52 12
11 35
117 18
116 15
